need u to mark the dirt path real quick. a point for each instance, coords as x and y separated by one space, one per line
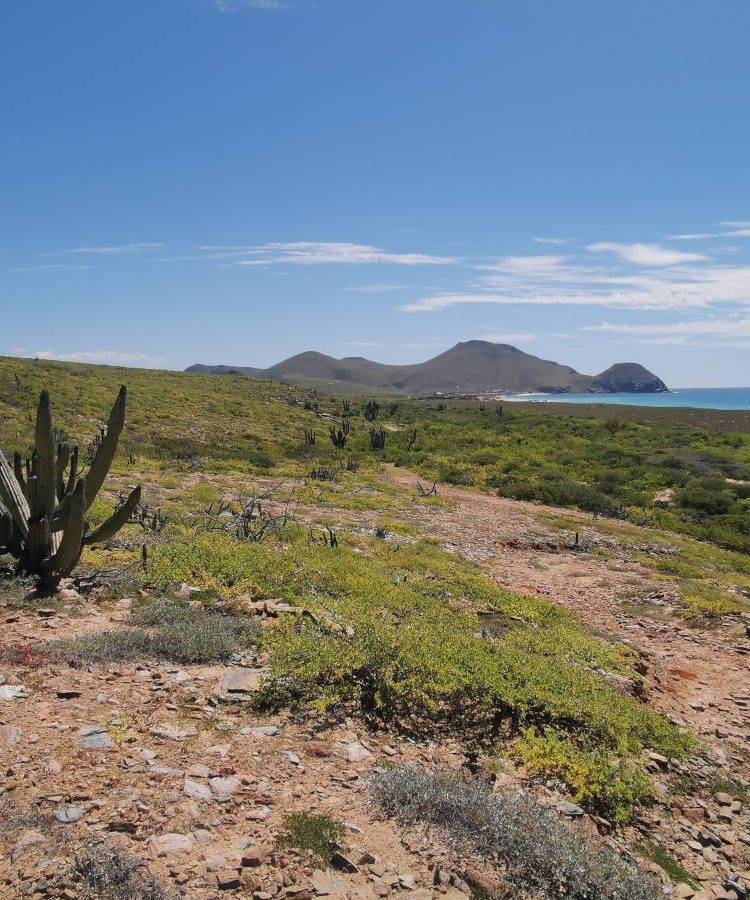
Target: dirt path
700 676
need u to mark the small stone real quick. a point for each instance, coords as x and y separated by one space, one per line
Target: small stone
407 881
255 857
293 758
260 730
13 692
171 844
95 737
238 682
173 733
223 788
197 791
568 809
68 693
9 736
228 880
343 863
69 815
324 884
723 799
356 752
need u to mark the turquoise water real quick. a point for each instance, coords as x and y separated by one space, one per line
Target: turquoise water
699 398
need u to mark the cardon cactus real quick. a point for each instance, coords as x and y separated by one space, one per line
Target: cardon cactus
43 502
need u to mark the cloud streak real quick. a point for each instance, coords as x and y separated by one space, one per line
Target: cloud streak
310 253
140 247
103 357
559 280
646 254
229 6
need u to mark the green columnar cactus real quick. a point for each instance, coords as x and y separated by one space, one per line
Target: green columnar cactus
43 503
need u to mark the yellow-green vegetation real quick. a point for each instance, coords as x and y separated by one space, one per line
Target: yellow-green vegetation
600 779
321 835
395 634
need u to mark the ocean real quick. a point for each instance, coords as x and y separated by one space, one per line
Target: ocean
699 398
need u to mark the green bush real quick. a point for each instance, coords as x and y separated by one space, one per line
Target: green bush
605 782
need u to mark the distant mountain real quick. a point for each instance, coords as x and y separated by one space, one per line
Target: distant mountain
471 367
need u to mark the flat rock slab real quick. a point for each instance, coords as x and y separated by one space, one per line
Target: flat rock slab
324 883
95 737
197 791
260 730
172 844
223 788
13 692
235 684
69 815
174 732
9 736
356 752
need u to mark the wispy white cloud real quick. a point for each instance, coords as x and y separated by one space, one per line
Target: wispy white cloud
103 357
509 338
697 236
559 280
730 327
375 288
735 223
238 5
44 266
549 240
308 253
139 247
646 254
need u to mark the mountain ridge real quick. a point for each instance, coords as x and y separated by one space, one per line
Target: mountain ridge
469 367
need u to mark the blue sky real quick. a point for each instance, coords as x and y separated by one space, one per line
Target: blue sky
229 181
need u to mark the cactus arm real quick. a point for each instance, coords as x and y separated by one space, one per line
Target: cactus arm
68 553
63 458
42 498
107 449
6 527
18 471
115 522
61 513
13 498
37 543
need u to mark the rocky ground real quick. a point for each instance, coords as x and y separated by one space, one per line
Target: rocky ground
169 766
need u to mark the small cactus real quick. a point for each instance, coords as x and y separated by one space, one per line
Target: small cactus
377 438
339 436
43 502
371 410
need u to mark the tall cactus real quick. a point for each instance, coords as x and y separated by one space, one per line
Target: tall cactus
43 503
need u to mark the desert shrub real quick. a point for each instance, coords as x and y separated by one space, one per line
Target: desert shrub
707 496
602 781
105 871
320 834
169 631
538 850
